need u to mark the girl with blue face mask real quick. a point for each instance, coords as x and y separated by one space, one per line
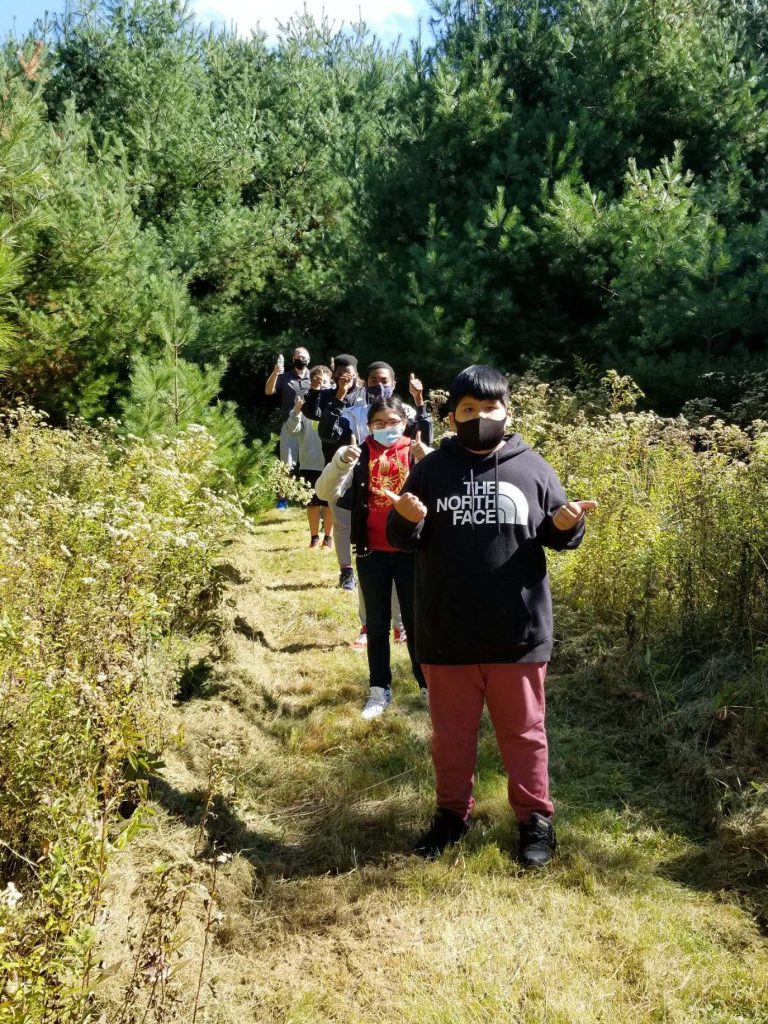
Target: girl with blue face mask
359 477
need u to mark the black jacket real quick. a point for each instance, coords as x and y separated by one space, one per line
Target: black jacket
317 403
482 593
334 430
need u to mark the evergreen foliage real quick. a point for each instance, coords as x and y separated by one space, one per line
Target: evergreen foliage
564 180
170 396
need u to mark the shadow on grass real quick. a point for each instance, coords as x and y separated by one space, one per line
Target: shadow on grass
317 585
196 682
359 808
231 574
712 867
268 548
244 628
332 840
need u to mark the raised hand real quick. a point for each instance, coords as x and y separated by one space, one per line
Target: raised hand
418 448
345 383
571 513
416 389
352 454
298 405
407 505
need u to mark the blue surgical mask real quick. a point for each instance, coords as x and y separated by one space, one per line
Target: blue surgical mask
380 391
387 436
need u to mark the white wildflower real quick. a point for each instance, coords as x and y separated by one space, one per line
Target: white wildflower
10 896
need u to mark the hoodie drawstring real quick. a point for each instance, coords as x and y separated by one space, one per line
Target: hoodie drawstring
496 485
471 493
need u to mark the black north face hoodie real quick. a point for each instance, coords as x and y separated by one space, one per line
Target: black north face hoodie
482 593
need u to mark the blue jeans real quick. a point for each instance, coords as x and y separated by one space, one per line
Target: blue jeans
376 573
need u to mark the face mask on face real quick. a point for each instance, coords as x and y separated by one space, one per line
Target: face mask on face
481 434
380 391
301 364
387 436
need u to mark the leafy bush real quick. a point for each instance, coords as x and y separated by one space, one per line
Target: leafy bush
108 549
667 598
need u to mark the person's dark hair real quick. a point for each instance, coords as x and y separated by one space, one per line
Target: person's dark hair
480 382
393 403
344 360
379 366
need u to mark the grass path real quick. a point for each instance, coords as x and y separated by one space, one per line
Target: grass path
326 917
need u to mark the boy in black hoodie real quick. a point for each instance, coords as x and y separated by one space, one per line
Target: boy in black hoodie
479 512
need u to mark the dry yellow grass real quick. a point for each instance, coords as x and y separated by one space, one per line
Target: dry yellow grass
326 917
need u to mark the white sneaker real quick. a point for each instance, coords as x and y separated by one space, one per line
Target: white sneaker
424 694
378 702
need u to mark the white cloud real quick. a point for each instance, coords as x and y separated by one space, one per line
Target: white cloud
387 18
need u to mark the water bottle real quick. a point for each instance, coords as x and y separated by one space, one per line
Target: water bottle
280 363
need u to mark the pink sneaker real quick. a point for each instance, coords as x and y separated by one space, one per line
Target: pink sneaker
401 637
361 643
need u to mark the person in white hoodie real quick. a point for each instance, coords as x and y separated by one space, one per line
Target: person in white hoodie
311 461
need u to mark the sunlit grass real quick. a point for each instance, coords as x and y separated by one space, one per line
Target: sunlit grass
328 918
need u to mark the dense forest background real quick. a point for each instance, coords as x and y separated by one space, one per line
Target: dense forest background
570 186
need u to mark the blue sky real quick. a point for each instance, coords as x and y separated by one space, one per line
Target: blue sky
388 18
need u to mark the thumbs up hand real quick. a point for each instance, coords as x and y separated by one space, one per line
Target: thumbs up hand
416 389
571 513
407 505
418 448
352 451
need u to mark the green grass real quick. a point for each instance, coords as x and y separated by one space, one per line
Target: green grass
326 916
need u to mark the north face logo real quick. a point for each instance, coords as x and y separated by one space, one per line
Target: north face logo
481 505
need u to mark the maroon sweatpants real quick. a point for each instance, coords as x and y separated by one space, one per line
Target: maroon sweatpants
515 697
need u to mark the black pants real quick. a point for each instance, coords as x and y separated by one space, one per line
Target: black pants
376 573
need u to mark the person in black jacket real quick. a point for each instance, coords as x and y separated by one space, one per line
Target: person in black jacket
347 391
345 413
479 513
341 411
359 477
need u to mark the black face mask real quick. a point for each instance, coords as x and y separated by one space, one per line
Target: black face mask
300 364
481 434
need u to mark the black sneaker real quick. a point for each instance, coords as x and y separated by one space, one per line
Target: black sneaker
347 578
447 827
537 841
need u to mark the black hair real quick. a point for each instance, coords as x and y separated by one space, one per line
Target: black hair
480 382
393 403
344 360
379 366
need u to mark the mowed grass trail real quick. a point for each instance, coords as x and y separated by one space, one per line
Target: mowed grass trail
326 918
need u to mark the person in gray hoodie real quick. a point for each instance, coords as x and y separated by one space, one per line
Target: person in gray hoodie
479 512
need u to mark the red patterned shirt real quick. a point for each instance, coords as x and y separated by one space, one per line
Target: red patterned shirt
387 470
